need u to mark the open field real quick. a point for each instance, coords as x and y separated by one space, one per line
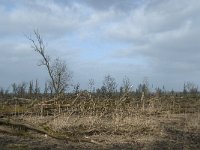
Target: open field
89 122
99 75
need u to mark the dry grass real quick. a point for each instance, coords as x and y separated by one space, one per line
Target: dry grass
163 124
192 122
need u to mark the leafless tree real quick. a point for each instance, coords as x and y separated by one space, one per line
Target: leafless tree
14 88
109 84
21 89
37 89
30 89
126 85
91 85
77 88
57 69
145 86
2 91
46 88
190 87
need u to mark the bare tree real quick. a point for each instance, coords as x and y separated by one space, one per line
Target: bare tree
109 84
77 88
126 87
57 69
46 88
30 89
21 89
191 88
145 86
91 85
14 88
2 91
143 89
37 89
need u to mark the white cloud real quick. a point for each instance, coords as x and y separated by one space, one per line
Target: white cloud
154 37
50 18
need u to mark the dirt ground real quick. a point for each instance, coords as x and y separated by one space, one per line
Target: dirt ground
161 124
173 136
8 142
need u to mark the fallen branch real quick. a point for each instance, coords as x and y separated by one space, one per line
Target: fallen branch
9 122
45 130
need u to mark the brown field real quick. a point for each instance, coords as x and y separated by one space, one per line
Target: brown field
89 122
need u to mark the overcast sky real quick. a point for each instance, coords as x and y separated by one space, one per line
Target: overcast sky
157 39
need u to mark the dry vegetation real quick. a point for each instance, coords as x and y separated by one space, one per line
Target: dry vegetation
86 121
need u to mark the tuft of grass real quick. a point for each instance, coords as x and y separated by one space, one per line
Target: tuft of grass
16 146
192 122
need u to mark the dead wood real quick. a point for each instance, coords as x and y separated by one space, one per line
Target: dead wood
13 123
42 130
4 115
22 99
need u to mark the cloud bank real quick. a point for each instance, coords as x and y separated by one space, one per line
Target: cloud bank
136 38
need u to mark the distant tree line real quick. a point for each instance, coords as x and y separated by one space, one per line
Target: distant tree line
108 89
60 79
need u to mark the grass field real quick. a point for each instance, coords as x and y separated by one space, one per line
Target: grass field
90 122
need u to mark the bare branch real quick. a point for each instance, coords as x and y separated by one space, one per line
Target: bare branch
57 69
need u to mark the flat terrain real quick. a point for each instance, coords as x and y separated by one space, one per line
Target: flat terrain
159 124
